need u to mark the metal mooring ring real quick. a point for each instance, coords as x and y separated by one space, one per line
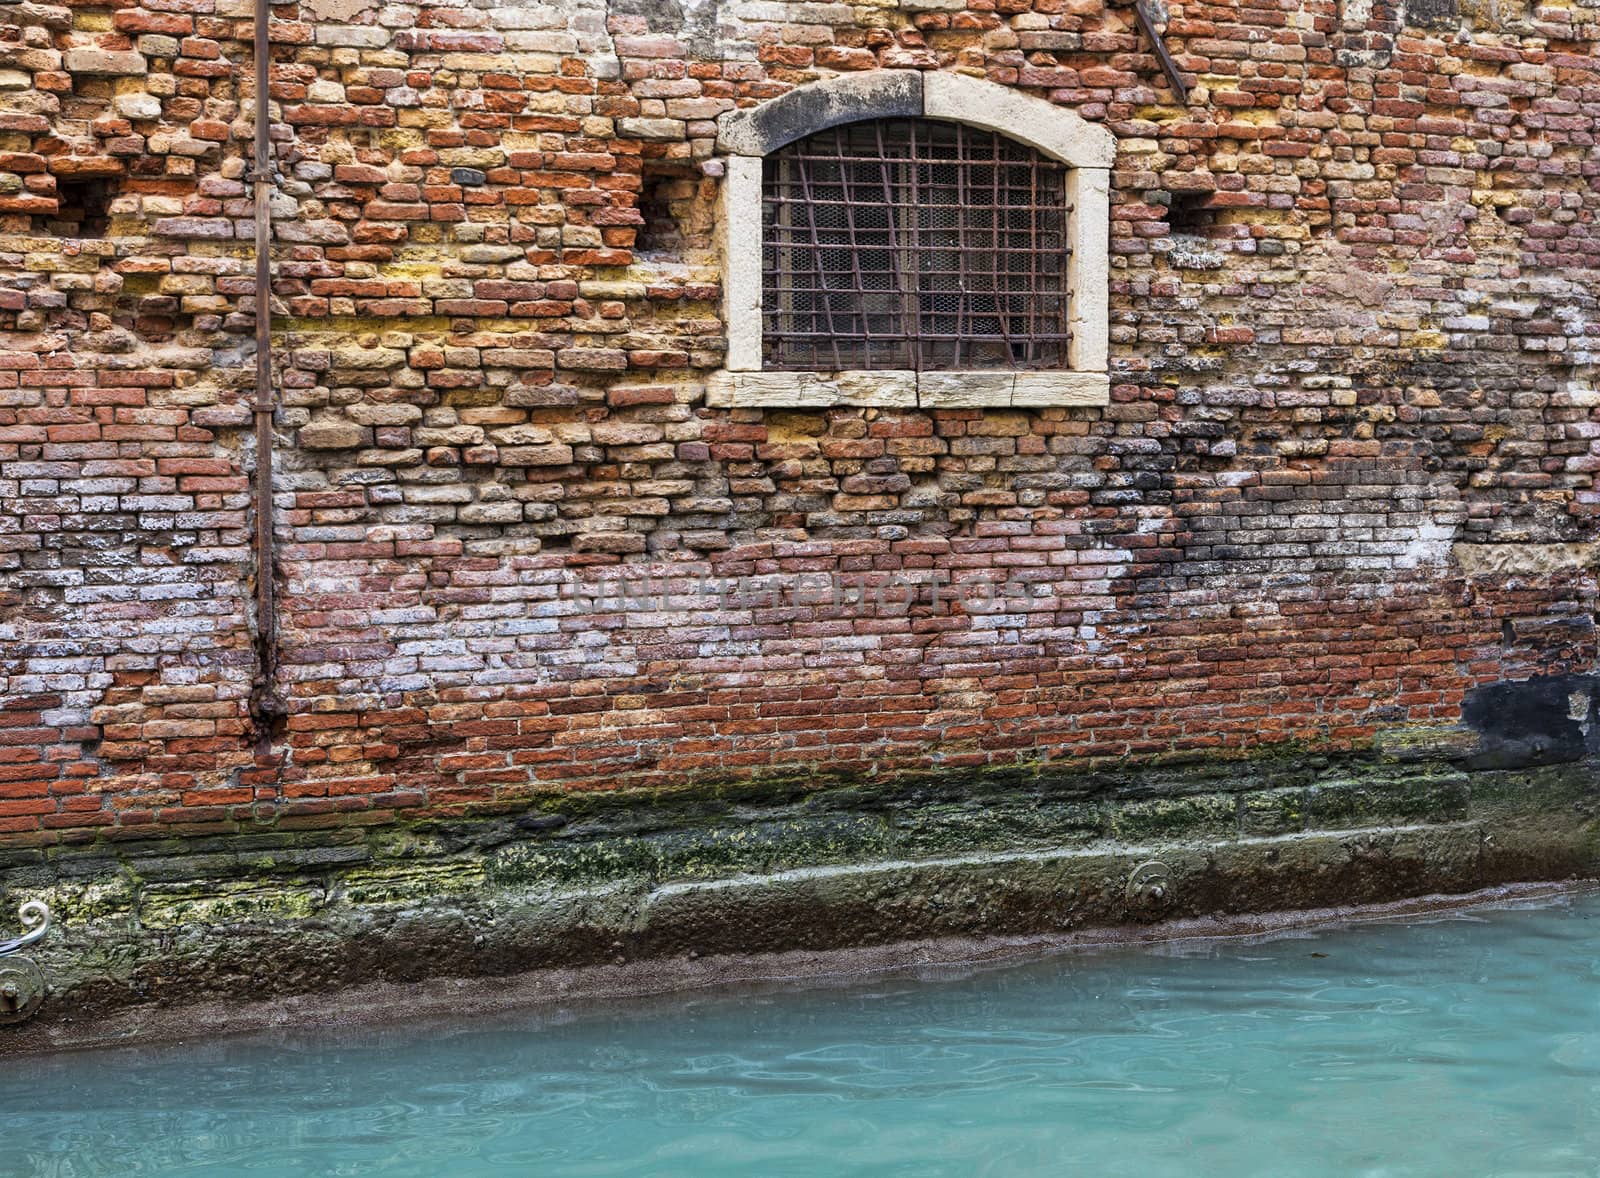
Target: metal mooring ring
1149 887
21 990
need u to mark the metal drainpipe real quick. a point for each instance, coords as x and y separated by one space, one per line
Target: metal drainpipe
265 704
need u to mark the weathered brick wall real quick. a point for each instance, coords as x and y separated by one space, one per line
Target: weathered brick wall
1353 331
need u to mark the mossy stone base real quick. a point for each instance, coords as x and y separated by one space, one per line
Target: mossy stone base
582 879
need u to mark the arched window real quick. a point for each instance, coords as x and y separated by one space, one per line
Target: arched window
895 239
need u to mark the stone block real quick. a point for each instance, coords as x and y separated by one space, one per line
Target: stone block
332 435
652 128
811 390
384 414
114 63
137 106
1044 389
352 37
955 390
214 228
351 356
553 455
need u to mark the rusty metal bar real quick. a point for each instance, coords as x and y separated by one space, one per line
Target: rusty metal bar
264 696
914 244
1163 55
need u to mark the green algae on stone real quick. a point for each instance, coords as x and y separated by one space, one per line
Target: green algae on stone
170 907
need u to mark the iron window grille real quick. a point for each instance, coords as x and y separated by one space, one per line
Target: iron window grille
914 244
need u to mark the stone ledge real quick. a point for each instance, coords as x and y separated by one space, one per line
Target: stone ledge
559 988
569 879
907 390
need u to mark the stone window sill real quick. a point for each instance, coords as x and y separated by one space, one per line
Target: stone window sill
907 390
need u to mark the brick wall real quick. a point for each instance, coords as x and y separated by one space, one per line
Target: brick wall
1353 322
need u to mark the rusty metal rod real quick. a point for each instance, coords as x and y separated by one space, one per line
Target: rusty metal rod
1163 55
266 609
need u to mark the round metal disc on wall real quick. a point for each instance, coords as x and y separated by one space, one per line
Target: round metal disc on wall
1150 886
21 989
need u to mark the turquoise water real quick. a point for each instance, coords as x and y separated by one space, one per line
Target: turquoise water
1463 1044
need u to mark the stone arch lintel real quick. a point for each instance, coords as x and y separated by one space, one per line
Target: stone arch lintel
884 94
805 110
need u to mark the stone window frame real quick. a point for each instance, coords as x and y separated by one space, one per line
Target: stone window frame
746 137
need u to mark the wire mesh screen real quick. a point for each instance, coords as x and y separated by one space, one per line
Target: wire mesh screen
913 244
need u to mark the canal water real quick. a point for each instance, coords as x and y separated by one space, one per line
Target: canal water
1461 1044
